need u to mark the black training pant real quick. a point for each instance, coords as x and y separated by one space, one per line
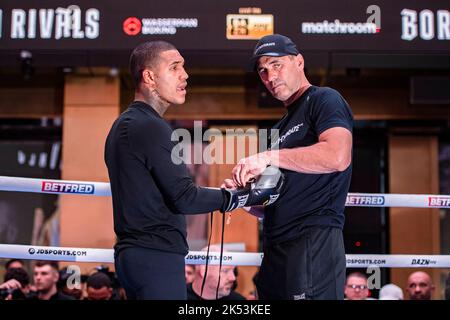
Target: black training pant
148 274
309 267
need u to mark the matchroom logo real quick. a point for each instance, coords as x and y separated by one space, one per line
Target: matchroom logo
336 26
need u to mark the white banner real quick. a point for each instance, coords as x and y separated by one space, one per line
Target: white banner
54 186
9 251
397 200
103 189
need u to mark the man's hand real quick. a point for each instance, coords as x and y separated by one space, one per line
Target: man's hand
257 211
249 168
265 190
11 285
229 184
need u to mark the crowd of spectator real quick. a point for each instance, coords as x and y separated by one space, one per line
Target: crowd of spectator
48 281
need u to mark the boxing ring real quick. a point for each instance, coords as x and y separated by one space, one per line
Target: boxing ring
31 252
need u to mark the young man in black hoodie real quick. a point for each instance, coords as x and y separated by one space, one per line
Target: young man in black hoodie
150 185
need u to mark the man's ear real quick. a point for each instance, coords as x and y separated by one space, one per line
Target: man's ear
148 76
300 61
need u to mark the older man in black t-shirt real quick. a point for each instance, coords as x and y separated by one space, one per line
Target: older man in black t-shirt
304 255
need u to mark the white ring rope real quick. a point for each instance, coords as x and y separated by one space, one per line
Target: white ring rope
103 189
229 258
54 186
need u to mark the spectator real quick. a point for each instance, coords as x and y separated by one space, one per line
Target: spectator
46 276
391 292
14 263
236 274
16 284
99 287
356 286
70 290
227 279
189 273
420 286
118 292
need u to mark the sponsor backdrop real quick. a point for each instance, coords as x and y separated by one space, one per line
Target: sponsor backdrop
406 25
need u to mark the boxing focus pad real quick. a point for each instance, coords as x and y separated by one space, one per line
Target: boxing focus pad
263 191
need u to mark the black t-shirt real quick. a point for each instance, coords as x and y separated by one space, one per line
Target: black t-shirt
191 295
309 199
61 296
34 295
150 192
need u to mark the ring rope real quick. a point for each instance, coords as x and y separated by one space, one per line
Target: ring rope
52 186
229 258
103 189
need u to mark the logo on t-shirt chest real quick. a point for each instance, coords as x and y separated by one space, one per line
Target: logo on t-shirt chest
277 141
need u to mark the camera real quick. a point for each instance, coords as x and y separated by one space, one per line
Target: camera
4 293
16 294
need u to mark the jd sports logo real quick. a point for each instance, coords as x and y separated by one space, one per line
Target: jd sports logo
31 251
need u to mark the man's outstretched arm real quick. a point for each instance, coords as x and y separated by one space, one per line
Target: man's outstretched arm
332 153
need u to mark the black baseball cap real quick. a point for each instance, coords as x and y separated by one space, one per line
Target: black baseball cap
274 45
